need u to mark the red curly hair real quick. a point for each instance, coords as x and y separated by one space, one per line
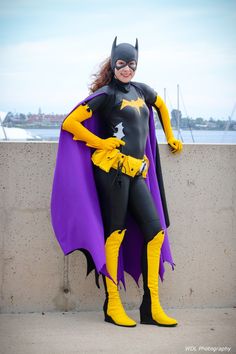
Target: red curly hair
103 76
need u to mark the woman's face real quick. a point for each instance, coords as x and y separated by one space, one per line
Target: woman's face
125 71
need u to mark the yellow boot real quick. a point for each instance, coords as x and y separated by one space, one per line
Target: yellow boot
113 309
151 311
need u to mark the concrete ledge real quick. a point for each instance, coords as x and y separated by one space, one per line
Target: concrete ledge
199 330
201 194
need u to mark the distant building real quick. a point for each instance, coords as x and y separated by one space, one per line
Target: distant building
37 120
13 119
212 125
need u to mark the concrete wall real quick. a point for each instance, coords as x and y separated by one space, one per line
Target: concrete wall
201 192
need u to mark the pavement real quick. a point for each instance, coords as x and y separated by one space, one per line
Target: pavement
198 331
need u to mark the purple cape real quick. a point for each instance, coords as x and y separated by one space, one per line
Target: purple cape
75 210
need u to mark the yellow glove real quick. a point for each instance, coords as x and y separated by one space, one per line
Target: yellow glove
175 144
73 125
107 144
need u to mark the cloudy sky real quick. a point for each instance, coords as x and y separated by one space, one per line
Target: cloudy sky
49 49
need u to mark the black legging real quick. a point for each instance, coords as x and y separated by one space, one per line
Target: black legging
119 193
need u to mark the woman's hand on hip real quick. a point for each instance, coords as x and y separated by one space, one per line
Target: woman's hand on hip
110 143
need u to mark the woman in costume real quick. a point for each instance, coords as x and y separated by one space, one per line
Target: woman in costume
116 142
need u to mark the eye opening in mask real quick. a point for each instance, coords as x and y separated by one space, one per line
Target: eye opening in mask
120 64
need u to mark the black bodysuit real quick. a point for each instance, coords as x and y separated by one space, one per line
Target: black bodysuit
125 115
126 104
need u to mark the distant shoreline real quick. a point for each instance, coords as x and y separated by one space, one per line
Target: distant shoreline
59 126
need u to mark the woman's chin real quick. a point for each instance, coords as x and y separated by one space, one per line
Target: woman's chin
125 79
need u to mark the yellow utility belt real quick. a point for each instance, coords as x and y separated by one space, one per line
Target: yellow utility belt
107 159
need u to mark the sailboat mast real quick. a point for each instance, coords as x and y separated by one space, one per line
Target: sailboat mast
164 94
178 116
3 129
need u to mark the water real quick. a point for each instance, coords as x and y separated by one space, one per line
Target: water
200 136
45 134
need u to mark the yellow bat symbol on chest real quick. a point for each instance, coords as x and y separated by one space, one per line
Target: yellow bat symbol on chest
133 103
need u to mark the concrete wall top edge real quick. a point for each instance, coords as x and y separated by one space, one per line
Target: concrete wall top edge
56 142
